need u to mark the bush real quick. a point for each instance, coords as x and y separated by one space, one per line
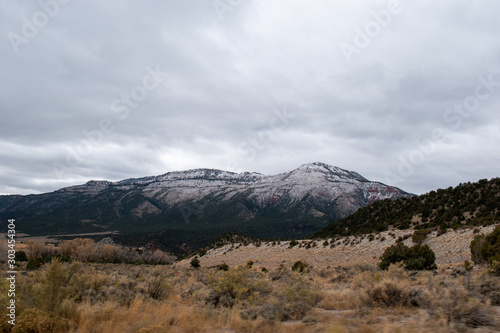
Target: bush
422 258
458 307
62 258
490 251
223 267
442 230
394 254
389 294
419 236
195 262
232 286
35 263
300 267
418 257
495 267
475 249
158 288
486 248
36 320
293 242
468 267
55 281
20 256
291 299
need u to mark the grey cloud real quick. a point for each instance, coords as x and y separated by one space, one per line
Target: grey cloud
225 78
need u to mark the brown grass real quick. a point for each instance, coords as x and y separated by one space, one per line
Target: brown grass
84 297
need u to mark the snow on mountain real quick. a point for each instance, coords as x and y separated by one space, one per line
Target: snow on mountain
205 201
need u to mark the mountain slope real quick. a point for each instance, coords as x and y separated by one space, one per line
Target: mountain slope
470 204
185 209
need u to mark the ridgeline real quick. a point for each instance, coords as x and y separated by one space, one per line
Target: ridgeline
468 204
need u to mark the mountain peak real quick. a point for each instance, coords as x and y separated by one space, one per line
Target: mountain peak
316 166
330 170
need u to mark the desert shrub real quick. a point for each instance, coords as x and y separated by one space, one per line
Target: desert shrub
419 236
495 298
223 267
20 256
418 297
49 256
418 257
490 251
158 257
361 267
38 321
467 266
293 242
87 250
279 273
460 309
294 297
87 287
195 262
488 286
300 267
291 299
394 254
36 249
53 281
442 230
158 288
389 294
54 285
475 249
249 264
122 293
494 268
487 249
393 289
83 249
35 263
421 258
228 287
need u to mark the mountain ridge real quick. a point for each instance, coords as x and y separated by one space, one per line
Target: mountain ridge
465 205
186 209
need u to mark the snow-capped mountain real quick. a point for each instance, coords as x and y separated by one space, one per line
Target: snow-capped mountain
195 205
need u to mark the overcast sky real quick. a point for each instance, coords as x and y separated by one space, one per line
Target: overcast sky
406 93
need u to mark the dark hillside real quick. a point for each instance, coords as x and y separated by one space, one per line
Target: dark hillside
469 204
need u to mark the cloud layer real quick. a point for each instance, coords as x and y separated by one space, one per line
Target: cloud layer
404 93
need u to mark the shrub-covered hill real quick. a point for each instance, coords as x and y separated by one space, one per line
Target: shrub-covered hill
232 238
469 204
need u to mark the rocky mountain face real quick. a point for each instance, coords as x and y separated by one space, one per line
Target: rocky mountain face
180 211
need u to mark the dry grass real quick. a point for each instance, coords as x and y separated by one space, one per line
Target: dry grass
127 298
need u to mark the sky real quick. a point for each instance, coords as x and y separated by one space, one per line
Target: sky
403 92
